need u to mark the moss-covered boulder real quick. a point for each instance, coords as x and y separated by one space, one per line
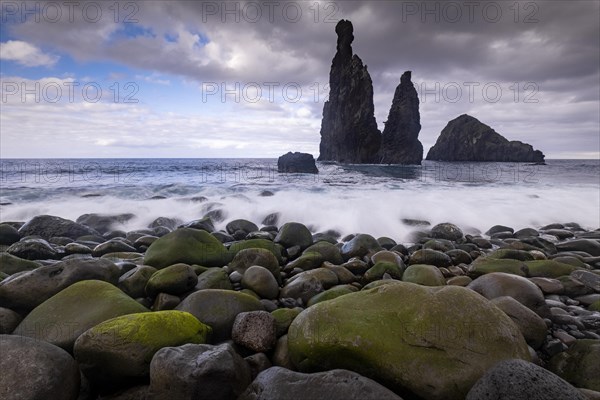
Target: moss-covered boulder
274 248
329 252
595 306
332 293
359 246
10 264
377 271
119 350
423 274
413 339
214 278
294 234
260 281
218 308
548 269
283 319
430 257
246 258
133 282
189 246
511 254
579 365
486 265
307 261
66 315
175 279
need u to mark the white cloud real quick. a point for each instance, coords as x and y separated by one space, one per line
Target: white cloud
26 54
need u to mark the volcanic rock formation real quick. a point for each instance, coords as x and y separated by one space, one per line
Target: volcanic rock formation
467 139
349 132
400 140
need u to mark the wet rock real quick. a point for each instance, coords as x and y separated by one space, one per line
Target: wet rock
33 249
104 223
197 371
467 139
446 231
27 290
297 163
8 234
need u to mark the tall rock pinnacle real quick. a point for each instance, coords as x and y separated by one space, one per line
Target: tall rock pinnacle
400 141
349 131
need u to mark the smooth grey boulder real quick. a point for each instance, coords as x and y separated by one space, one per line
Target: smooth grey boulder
36 370
278 383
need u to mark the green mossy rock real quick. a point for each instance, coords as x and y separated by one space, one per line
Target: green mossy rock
283 319
329 252
119 350
329 294
377 271
486 265
175 279
274 248
307 261
360 246
579 365
511 254
595 306
10 264
423 274
66 315
214 278
408 337
294 234
548 269
189 246
375 284
430 257
218 308
133 282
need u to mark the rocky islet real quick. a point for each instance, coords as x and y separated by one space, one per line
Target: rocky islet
448 316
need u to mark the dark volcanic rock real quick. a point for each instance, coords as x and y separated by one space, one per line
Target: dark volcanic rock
48 226
399 142
467 139
297 162
349 131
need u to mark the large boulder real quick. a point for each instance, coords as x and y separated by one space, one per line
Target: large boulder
413 339
33 249
218 308
32 370
297 162
189 246
10 264
27 290
47 226
103 223
521 380
120 349
579 364
349 132
590 246
62 318
498 284
467 139
278 383
199 372
294 234
400 138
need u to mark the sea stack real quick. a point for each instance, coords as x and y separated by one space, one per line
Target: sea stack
467 139
400 140
349 132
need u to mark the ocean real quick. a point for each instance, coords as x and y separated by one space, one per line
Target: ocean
370 199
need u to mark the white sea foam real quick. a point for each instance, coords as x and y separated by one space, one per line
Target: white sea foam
350 209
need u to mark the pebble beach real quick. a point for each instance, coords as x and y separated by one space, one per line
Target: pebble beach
182 310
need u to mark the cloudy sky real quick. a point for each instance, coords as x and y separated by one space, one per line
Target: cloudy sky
249 78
